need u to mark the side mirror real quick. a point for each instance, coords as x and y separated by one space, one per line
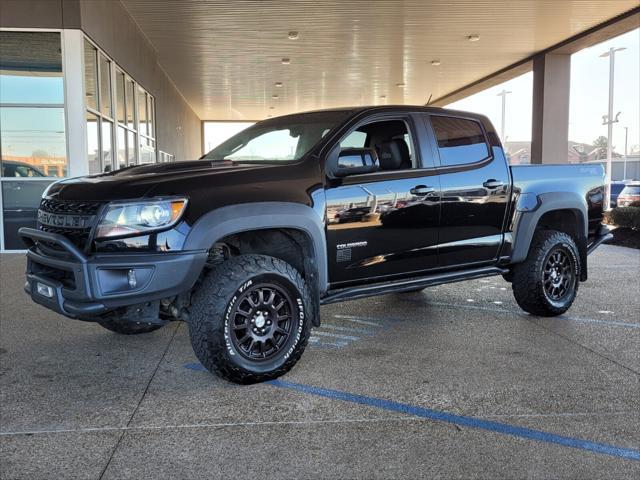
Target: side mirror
353 161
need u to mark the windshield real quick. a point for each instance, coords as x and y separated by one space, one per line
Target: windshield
282 139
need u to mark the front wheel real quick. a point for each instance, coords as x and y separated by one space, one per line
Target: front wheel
251 319
546 283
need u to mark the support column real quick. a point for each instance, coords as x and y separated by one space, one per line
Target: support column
550 122
75 110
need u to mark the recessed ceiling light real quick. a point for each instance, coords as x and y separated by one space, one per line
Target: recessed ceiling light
278 84
275 95
401 85
286 61
435 63
293 35
473 38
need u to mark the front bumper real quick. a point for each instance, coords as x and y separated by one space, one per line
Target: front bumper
85 286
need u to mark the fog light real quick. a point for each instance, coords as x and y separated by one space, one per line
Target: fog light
44 290
131 278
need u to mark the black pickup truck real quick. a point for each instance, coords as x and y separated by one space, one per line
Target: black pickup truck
246 243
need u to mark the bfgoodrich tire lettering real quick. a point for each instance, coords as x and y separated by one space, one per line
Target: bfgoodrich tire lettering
250 319
546 283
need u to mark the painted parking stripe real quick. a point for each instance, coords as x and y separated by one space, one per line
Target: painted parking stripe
317 341
471 422
335 335
359 320
331 326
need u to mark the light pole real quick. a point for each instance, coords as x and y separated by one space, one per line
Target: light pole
626 134
503 94
611 53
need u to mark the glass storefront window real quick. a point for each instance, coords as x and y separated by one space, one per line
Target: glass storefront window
32 127
120 103
122 147
20 201
151 109
90 75
105 86
35 137
30 68
142 111
107 146
93 144
130 89
121 131
131 151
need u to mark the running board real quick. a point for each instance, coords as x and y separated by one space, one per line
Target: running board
362 291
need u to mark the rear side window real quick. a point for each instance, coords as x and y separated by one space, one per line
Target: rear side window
460 141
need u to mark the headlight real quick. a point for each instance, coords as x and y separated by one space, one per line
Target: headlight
131 218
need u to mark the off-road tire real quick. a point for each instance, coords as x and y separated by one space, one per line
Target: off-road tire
528 277
212 319
508 277
123 327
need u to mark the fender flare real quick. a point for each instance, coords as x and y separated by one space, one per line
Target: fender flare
526 221
245 217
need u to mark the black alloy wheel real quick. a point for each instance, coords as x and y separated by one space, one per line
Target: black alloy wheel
558 275
261 322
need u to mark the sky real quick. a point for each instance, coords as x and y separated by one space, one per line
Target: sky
588 100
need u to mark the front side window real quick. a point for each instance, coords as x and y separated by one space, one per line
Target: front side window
460 141
389 138
279 140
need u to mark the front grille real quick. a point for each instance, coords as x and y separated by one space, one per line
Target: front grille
71 208
79 236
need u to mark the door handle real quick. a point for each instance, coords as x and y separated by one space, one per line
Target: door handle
491 183
421 190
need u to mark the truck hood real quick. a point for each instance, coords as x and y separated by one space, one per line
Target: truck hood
139 181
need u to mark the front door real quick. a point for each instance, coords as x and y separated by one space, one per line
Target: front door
385 223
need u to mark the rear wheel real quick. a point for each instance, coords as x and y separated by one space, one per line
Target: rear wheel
546 283
250 319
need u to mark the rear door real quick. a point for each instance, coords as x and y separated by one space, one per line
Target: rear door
475 186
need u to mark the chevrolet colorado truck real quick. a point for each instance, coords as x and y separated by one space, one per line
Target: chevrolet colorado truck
248 242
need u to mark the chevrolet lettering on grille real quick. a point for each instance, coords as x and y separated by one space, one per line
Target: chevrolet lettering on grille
65 221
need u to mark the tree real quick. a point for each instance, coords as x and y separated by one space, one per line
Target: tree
601 144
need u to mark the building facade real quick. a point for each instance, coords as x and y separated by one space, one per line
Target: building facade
81 92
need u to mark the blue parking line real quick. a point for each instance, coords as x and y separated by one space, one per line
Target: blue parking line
612 323
330 326
477 423
198 367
